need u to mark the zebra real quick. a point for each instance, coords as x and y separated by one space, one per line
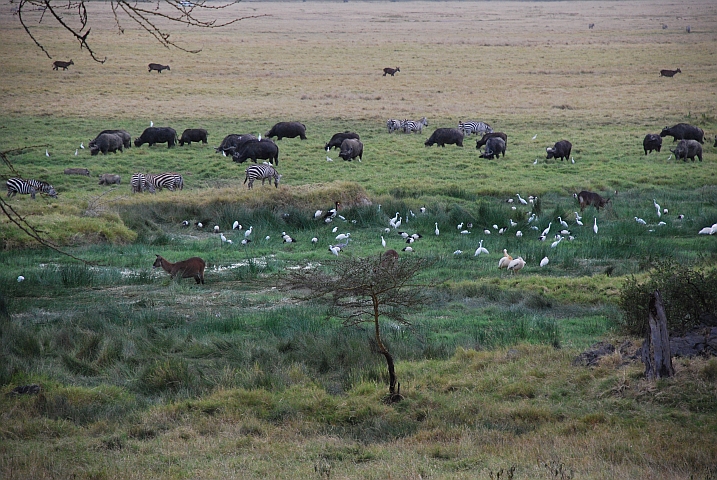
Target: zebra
474 127
31 187
394 125
170 181
139 183
262 171
410 126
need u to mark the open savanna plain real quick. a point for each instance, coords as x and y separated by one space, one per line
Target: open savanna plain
147 377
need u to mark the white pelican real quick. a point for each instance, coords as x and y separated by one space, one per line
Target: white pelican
516 265
505 259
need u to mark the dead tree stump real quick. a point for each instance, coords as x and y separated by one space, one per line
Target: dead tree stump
656 349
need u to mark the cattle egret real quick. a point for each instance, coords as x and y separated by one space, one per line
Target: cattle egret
519 234
458 252
544 261
640 221
510 200
480 249
563 222
224 239
236 225
224 153
407 249
579 222
216 228
572 160
75 152
47 154
267 238
335 229
20 278
547 229
495 227
535 162
516 265
199 225
465 232
512 223
669 158
151 123
513 208
486 231
248 232
535 136
334 250
343 236
595 227
82 145
521 199
259 137
437 231
314 240
577 217
383 242
505 260
329 159
245 241
422 209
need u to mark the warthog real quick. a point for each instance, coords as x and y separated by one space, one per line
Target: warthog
109 179
77 171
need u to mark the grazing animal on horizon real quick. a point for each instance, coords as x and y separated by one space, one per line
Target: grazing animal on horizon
472 127
390 71
153 135
189 268
77 171
409 126
443 136
288 130
106 142
652 142
688 149
60 64
29 187
493 148
486 136
684 131
193 135
351 148
560 150
338 138
262 171
589 198
264 149
158 67
394 125
109 179
669 73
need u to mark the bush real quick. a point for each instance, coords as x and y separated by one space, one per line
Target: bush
687 295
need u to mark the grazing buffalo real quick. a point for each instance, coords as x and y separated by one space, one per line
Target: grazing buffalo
233 142
288 130
193 135
684 131
443 136
60 64
338 138
487 136
669 73
351 148
189 268
263 149
158 67
154 135
109 179
560 150
123 134
390 71
77 171
652 142
589 198
688 149
106 142
493 148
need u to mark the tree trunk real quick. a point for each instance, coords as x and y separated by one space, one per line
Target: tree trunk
656 349
394 388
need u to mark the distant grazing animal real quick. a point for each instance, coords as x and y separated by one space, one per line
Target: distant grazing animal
410 126
389 259
560 150
123 134
233 142
189 268
262 171
158 67
170 181
688 29
288 130
351 148
590 26
688 149
390 71
106 142
77 171
394 125
652 142
29 187
474 127
443 136
139 183
669 73
493 148
60 64
193 135
153 135
589 198
338 138
263 149
109 179
486 136
684 131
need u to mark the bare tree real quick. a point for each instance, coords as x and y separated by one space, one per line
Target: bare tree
365 290
72 15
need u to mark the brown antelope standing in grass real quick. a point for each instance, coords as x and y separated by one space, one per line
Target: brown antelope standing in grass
189 268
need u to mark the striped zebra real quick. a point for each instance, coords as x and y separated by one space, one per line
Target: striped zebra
410 126
474 127
31 187
262 171
139 183
170 181
394 125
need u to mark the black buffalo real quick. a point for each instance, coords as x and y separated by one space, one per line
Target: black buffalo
193 135
154 135
123 134
258 150
560 150
652 142
684 131
688 149
288 130
351 148
487 136
106 142
338 138
494 147
443 136
233 142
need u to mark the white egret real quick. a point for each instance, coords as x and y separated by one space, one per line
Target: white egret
657 207
563 222
480 249
335 229
248 232
224 239
521 199
544 261
640 221
547 229
383 242
595 227
20 278
437 231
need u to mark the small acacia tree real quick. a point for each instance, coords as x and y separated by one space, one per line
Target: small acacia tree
366 290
